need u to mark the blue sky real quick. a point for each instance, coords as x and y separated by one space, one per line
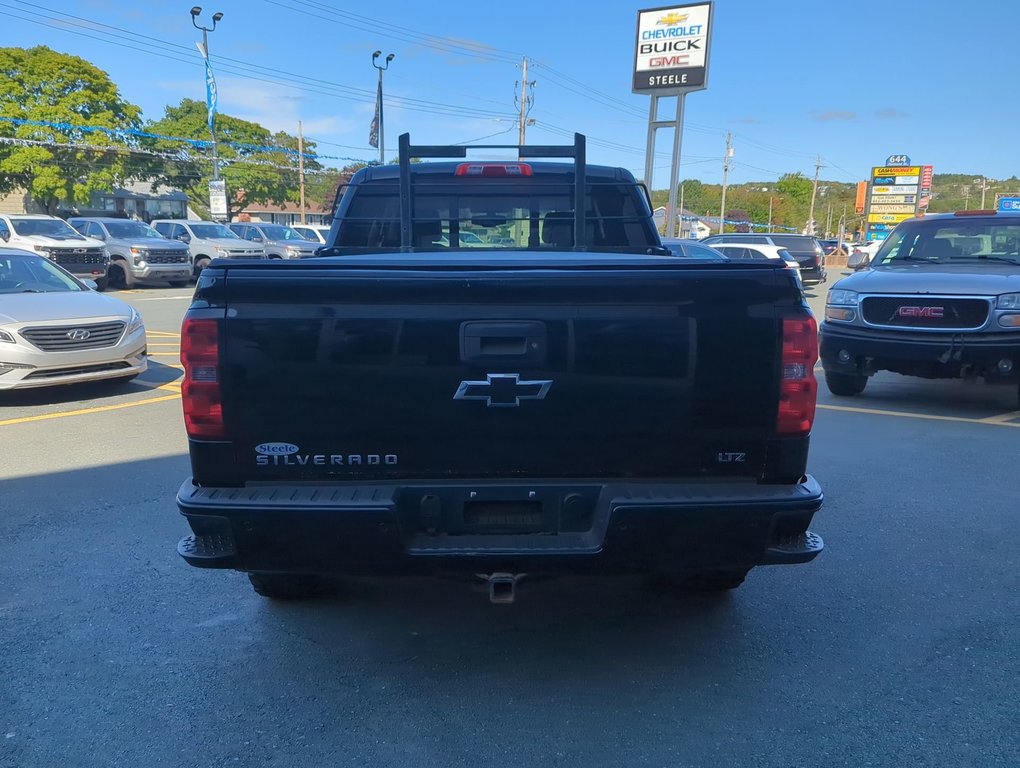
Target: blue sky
791 79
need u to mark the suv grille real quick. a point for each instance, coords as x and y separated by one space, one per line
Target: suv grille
925 311
58 338
64 256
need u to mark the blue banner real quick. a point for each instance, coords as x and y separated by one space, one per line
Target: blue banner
211 96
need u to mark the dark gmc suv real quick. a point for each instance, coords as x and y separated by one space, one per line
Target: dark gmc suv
807 250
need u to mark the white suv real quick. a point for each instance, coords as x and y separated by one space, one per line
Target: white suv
756 252
84 257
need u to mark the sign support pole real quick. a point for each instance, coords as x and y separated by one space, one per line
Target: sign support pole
653 114
674 171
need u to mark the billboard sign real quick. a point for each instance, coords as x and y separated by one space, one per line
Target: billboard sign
897 193
1007 204
671 51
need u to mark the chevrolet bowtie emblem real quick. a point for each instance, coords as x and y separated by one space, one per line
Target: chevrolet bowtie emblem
503 390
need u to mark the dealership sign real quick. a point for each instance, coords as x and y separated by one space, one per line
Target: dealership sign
671 52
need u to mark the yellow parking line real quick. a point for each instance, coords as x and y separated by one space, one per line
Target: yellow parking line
163 333
908 415
164 343
97 409
1002 417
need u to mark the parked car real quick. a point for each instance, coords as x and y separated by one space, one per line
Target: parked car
804 248
277 240
54 238
55 330
590 403
861 255
317 233
755 252
207 240
688 248
138 253
941 300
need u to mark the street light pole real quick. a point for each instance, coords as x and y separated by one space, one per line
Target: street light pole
379 101
195 12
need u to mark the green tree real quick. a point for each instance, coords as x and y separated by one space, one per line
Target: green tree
41 84
261 172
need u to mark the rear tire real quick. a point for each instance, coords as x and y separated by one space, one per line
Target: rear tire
845 384
288 586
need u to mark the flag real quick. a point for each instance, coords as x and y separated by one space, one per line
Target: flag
373 131
211 94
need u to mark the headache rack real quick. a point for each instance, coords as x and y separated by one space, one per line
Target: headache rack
452 151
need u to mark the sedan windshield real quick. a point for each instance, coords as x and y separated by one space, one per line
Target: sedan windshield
132 230
280 232
208 231
958 240
25 273
56 228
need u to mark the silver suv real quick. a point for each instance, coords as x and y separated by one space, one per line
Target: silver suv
206 241
138 253
278 240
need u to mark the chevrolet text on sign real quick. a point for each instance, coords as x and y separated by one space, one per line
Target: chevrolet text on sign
672 48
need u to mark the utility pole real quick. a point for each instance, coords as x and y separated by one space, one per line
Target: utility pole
725 176
770 213
984 188
524 103
828 220
301 168
814 192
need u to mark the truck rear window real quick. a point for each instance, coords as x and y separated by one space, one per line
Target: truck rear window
471 214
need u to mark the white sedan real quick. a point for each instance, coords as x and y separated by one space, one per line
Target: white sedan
56 330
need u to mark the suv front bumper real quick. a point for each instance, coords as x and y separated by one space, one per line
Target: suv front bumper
395 529
929 355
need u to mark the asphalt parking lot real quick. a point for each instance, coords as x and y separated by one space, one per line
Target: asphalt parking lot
897 647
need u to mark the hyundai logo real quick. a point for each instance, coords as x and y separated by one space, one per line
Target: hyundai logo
78 334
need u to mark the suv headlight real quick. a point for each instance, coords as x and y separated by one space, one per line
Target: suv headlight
293 250
841 305
839 298
42 248
222 252
1008 301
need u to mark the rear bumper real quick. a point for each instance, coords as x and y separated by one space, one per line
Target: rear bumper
812 274
407 529
930 355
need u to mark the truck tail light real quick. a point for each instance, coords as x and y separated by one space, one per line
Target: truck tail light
493 169
200 393
798 388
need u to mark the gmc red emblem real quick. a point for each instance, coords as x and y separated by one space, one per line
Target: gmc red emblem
921 312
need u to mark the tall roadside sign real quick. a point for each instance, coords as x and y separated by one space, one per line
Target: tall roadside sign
898 191
671 59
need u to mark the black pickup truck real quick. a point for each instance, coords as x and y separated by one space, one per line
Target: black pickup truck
481 375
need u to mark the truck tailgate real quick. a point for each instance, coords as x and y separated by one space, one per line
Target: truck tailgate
351 373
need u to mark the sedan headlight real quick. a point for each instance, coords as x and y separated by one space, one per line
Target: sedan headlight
136 321
839 298
4 336
1008 301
